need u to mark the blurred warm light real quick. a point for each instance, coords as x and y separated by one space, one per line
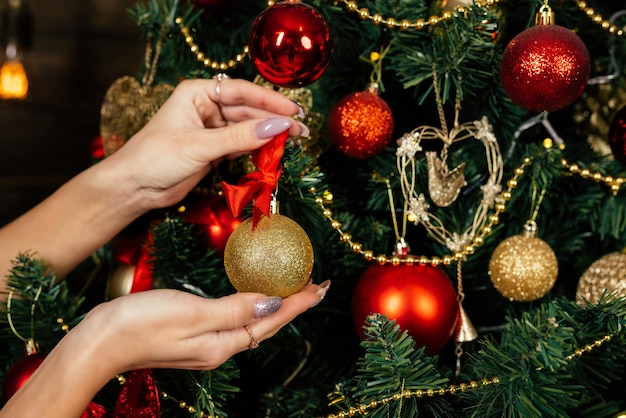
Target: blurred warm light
13 80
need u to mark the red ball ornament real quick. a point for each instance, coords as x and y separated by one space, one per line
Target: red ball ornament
131 278
545 68
290 44
617 135
215 217
360 124
19 373
420 298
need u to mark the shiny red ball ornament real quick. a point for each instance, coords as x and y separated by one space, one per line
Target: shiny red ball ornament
420 298
131 278
545 68
617 135
290 44
360 124
214 216
19 373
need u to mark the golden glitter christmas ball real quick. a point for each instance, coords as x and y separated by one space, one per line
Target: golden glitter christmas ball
606 274
275 258
523 268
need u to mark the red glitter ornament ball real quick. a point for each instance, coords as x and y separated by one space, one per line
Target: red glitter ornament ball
290 44
545 68
617 135
360 124
420 298
19 373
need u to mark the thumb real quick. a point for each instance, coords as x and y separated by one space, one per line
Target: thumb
236 310
240 138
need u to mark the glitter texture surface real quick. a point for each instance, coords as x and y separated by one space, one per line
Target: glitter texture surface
523 268
605 274
276 258
545 68
360 124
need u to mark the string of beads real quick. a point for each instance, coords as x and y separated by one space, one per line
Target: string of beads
447 259
598 19
614 183
404 24
453 389
207 62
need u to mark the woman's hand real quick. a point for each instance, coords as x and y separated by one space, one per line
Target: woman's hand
152 329
156 168
173 329
195 129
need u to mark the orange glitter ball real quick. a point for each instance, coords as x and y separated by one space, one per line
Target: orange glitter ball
360 124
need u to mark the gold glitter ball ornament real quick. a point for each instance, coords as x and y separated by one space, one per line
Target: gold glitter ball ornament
607 274
275 258
523 268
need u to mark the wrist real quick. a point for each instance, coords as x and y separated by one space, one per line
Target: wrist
69 378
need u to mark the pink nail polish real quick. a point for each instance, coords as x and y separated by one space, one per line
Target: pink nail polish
321 292
272 127
300 113
305 130
267 306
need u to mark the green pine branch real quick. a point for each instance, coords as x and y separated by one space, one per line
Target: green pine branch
183 260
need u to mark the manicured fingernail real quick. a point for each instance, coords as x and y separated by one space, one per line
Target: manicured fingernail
267 306
305 130
300 113
272 127
321 292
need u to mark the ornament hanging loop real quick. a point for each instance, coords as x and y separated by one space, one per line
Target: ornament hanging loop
545 16
530 229
274 204
32 318
376 59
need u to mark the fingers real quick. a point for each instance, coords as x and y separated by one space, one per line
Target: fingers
236 310
245 326
236 95
292 306
246 136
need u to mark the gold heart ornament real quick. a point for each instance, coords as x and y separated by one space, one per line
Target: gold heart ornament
127 107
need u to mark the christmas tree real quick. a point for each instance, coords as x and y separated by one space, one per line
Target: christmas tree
461 187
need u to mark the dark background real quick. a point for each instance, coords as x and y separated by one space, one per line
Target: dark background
80 47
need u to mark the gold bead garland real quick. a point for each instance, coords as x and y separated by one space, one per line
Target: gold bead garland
390 22
589 347
207 62
404 24
447 259
419 394
598 19
614 183
453 389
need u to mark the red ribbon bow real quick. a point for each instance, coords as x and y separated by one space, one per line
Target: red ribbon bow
139 398
259 185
